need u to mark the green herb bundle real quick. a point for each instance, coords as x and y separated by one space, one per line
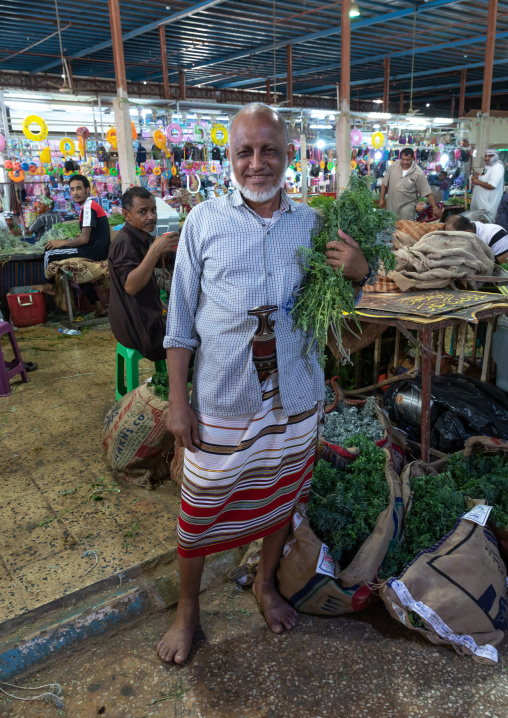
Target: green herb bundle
485 477
344 504
160 385
327 296
436 506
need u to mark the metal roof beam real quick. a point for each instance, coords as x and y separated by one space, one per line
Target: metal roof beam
192 10
375 20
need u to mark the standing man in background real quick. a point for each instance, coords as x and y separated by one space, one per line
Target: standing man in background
405 182
488 187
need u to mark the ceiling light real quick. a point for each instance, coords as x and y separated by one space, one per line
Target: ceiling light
377 102
442 120
354 10
444 159
428 104
321 127
376 127
144 82
379 116
320 144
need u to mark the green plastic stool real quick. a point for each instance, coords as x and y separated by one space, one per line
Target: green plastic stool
127 361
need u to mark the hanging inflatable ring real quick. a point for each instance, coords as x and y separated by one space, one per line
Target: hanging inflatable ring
356 136
66 173
165 174
105 170
174 138
17 176
193 191
214 135
204 167
159 139
213 169
138 170
43 128
67 142
330 166
354 164
322 164
157 171
113 172
174 171
142 171
377 140
200 133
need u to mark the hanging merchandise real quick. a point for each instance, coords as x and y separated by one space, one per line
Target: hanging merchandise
174 171
45 155
165 174
111 137
8 165
105 171
330 166
157 171
134 131
113 172
356 136
200 133
377 140
354 164
67 146
17 175
83 132
25 166
322 164
43 128
159 139
174 133
2 142
219 135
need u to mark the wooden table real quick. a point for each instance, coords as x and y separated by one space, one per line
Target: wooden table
439 323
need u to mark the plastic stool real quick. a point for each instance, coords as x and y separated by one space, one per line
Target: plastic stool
127 362
8 369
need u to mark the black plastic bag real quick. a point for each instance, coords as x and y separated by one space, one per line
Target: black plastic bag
461 407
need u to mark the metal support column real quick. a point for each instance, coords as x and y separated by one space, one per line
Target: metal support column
181 80
386 87
3 155
401 103
121 103
164 61
289 70
268 93
489 57
462 100
305 164
343 125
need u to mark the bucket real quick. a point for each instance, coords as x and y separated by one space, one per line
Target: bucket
27 306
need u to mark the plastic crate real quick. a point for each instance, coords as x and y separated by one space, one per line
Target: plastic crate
27 306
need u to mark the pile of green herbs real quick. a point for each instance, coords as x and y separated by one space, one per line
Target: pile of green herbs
344 504
436 506
160 385
347 421
326 296
11 245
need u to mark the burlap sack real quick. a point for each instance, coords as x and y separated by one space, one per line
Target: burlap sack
394 441
457 589
137 444
310 579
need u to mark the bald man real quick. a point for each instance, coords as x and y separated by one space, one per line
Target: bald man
250 433
494 236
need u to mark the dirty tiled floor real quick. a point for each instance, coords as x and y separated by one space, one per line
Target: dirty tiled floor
366 666
51 468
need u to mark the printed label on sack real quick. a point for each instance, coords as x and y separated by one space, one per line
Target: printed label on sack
325 564
479 514
297 520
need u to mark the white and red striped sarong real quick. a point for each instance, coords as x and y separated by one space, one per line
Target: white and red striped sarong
247 475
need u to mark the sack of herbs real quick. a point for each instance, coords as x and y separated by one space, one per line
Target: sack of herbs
340 538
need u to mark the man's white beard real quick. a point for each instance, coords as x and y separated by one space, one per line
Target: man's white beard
261 195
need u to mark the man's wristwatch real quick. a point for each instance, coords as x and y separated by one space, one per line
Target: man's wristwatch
363 281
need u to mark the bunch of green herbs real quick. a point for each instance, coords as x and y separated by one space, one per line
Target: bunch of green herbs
326 296
485 477
436 506
344 504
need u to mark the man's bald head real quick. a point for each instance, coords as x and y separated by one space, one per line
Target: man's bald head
458 223
261 112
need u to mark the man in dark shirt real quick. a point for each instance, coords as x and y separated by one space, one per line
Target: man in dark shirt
93 240
135 308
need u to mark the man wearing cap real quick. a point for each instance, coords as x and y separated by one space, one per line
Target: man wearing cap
14 229
488 187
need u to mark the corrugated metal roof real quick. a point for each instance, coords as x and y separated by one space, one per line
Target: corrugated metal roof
231 44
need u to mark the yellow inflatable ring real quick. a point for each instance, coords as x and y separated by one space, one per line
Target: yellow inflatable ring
43 128
214 135
322 164
173 171
66 173
42 170
213 169
156 170
354 164
105 170
377 140
67 142
159 139
18 176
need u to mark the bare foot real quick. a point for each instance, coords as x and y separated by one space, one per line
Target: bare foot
176 643
277 612
47 288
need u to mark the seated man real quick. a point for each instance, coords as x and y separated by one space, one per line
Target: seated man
13 228
495 236
92 242
46 218
135 307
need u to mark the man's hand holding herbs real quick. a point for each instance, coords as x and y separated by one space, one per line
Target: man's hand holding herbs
346 254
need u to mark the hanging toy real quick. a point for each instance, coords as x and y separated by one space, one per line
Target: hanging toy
138 170
2 142
195 182
113 172
200 133
165 174
67 146
219 135
356 136
45 155
8 164
25 166
157 171
83 132
213 169
43 128
174 133
354 164
112 138
32 169
322 164
17 176
134 131
330 166
16 166
105 171
174 171
377 140
159 139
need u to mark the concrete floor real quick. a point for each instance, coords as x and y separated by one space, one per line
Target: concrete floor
52 471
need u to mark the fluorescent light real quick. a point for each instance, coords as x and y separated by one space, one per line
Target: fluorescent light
379 115
444 159
321 127
320 144
378 155
376 127
442 120
377 102
28 106
428 104
319 114
354 10
71 108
